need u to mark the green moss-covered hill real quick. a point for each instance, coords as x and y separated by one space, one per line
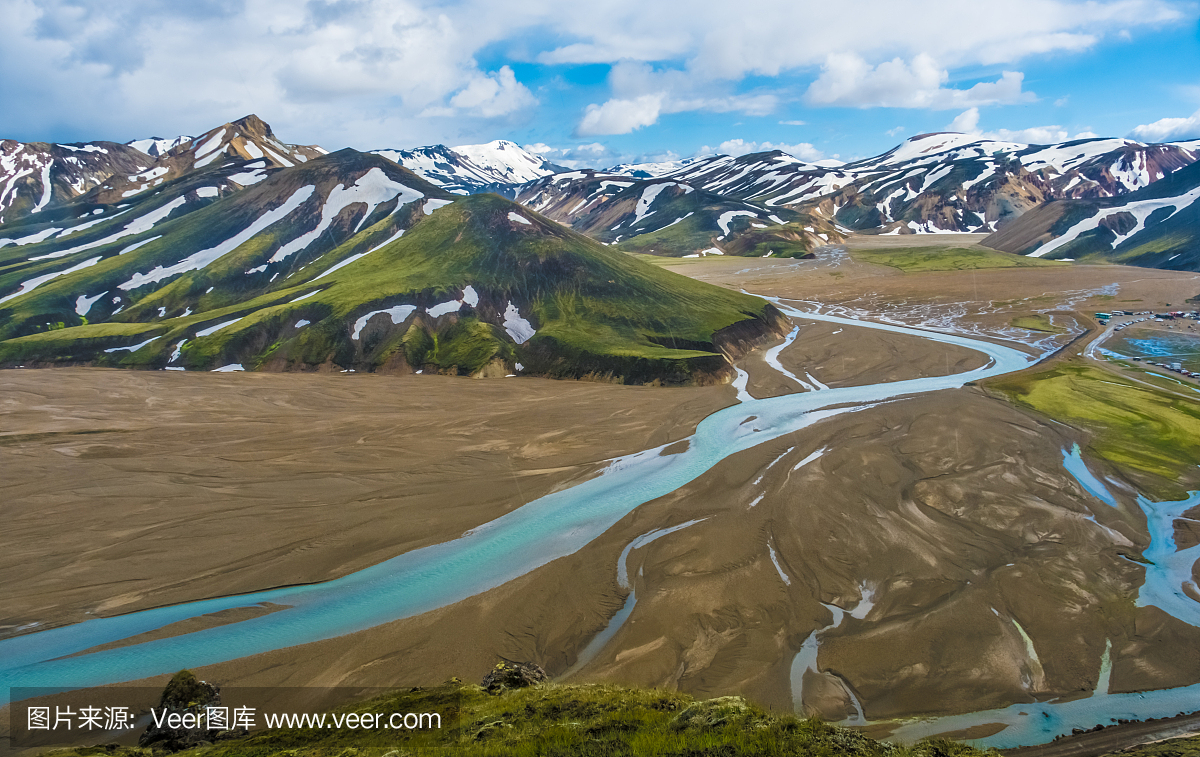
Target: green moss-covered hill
352 262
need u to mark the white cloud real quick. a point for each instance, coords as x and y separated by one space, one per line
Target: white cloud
738 147
595 155
361 71
848 80
335 72
1034 135
643 93
793 123
620 116
894 55
595 148
495 95
967 122
569 156
1168 129
895 131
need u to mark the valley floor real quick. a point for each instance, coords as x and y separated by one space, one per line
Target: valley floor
985 573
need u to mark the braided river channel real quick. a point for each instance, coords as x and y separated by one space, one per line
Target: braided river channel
557 525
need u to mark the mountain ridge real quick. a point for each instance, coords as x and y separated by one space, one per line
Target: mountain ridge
1157 226
468 169
349 261
760 204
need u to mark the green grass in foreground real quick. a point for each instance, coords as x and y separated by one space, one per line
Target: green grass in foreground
1036 322
1135 426
921 259
567 720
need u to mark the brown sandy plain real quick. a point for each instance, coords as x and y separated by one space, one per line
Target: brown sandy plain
127 490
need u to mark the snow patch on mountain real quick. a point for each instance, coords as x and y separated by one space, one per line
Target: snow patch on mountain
202 258
728 217
371 189
135 226
83 303
31 284
434 204
156 146
650 194
217 327
517 327
398 315
133 347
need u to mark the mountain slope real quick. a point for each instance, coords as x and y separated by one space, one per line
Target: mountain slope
157 146
36 176
443 167
667 217
248 138
1158 227
352 261
168 249
941 182
512 163
651 170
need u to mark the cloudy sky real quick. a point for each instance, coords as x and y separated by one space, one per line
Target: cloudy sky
605 80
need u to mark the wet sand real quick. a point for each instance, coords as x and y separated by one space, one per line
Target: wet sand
954 507
125 490
945 526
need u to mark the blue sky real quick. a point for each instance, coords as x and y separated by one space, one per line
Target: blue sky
606 81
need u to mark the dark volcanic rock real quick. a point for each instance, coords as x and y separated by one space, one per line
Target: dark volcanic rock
1120 223
187 697
513 675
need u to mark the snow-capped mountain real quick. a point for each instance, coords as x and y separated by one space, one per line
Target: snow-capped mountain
36 176
468 169
941 182
1157 226
514 164
651 170
347 260
248 138
763 203
447 169
667 217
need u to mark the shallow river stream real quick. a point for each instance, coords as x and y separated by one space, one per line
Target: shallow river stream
544 530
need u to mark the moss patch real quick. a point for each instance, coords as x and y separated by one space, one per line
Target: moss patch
1036 322
1136 428
921 259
